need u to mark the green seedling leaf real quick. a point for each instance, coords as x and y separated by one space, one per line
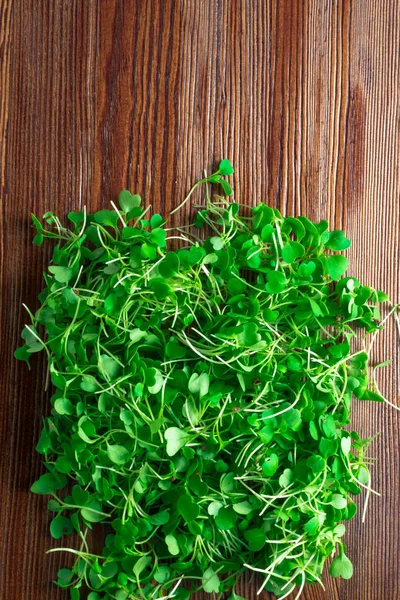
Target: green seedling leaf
225 167
336 266
109 367
270 465
341 566
141 565
188 508
226 518
243 508
338 501
276 282
256 539
89 383
234 596
64 406
61 274
118 454
128 201
210 581
337 241
176 439
60 526
291 251
93 512
172 543
47 483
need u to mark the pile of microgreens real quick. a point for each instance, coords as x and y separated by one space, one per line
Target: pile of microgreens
201 397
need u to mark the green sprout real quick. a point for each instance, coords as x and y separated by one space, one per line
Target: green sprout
202 393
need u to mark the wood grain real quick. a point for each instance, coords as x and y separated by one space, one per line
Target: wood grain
96 96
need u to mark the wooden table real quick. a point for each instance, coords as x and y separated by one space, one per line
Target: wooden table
96 96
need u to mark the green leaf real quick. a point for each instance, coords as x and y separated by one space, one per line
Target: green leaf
256 539
266 232
38 239
225 167
226 518
79 495
315 307
276 282
89 383
64 577
188 508
170 265
316 463
341 566
141 565
328 425
148 251
336 266
363 475
162 574
337 241
214 507
236 285
37 224
339 501
306 269
111 304
128 201
158 236
61 274
243 508
345 443
328 447
47 483
172 544
312 526
118 454
160 518
210 581
234 596
291 251
64 406
136 335
295 225
270 465
228 483
176 438
108 218
313 430
91 512
109 366
109 570
174 350
199 384
286 478
226 187
217 242
156 221
270 316
60 526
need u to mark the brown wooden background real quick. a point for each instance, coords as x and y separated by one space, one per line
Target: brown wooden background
96 96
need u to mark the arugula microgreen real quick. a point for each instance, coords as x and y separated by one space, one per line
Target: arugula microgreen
201 396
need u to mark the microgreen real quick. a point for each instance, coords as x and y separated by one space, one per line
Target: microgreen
201 397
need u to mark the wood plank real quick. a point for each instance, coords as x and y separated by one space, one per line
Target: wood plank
98 96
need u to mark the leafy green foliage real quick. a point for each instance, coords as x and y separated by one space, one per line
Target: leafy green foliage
201 397
341 567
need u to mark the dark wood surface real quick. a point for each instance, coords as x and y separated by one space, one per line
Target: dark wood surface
99 95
